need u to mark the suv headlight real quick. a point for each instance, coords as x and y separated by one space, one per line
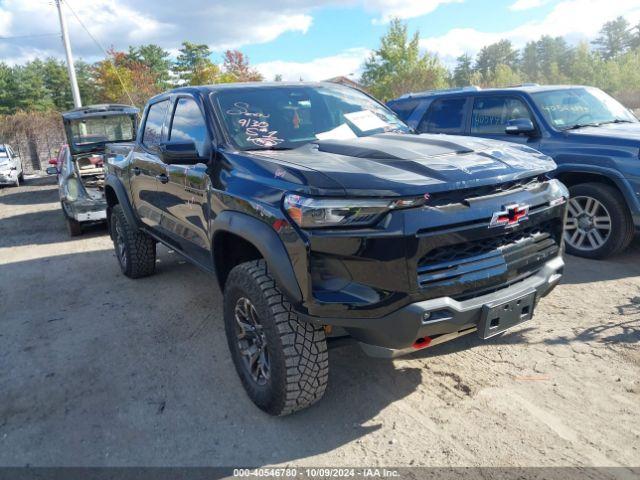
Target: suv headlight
310 212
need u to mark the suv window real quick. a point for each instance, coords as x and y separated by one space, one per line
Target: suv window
188 124
491 114
152 134
445 115
404 108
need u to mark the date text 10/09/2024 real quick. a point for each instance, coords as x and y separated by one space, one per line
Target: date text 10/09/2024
289 472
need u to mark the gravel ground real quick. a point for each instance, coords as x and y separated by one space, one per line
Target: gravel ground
97 369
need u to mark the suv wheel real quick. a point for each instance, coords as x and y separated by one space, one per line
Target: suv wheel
598 222
135 250
282 362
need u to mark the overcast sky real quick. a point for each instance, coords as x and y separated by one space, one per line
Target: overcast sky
298 38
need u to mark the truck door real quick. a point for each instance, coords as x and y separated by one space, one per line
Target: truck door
146 167
491 113
185 211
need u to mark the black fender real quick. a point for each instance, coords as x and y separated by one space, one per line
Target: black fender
118 188
268 243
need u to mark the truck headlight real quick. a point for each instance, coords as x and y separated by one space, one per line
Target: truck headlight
310 212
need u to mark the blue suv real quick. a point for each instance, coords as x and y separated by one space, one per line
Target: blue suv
594 140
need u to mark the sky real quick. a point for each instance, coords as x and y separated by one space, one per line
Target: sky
312 40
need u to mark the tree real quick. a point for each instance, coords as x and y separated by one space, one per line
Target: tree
30 90
553 57
156 59
463 72
56 80
85 73
277 77
529 62
236 64
113 78
123 80
499 53
615 38
397 66
194 65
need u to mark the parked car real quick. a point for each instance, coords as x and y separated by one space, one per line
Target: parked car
321 214
593 139
11 171
80 164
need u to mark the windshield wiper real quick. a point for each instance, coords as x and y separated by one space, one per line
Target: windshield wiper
582 125
618 120
260 149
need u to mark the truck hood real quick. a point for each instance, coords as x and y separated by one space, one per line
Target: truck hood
613 132
396 164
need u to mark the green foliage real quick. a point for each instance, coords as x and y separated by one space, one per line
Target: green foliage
491 56
613 65
397 66
463 73
156 59
614 39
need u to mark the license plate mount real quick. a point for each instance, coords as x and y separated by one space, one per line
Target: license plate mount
500 316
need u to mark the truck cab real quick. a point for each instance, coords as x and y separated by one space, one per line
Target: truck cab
594 140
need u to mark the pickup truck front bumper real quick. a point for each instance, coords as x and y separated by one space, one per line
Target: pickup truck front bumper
434 321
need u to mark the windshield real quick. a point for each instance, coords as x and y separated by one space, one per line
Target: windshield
283 117
575 107
107 128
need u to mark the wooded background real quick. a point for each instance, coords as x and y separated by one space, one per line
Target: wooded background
32 95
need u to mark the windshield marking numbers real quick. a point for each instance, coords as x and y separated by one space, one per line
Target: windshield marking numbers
255 126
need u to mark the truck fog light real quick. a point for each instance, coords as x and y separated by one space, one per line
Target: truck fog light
426 316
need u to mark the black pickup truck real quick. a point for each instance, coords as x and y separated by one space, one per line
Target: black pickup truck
321 214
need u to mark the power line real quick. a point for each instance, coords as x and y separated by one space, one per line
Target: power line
100 47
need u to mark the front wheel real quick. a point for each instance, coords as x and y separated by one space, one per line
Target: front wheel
598 222
135 250
282 362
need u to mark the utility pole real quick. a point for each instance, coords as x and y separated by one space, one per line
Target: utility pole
77 102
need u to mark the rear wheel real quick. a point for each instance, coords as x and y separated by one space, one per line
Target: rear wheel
598 221
74 227
282 362
135 250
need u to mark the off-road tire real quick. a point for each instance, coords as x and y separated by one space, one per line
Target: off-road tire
139 248
622 228
297 350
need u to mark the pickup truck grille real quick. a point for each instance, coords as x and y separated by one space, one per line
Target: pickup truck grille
460 196
475 265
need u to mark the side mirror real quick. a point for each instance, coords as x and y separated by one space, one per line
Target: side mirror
520 125
52 171
184 153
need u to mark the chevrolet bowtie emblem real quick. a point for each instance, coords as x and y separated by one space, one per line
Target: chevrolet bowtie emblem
510 216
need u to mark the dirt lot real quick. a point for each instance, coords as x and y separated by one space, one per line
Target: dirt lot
97 369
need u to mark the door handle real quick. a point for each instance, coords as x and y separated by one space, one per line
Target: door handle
162 178
136 171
